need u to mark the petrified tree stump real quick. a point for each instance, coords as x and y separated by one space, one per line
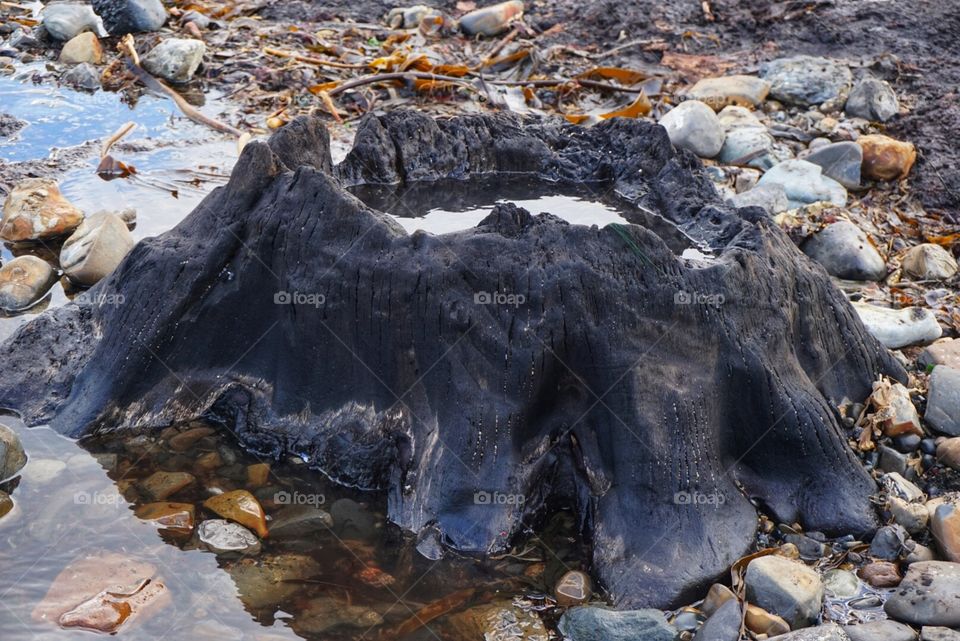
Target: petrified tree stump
309 323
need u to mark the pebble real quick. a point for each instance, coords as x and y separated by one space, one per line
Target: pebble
717 595
183 441
95 249
825 632
898 486
573 588
948 452
919 553
173 516
945 527
161 485
258 474
24 281
175 59
943 400
64 21
772 198
242 507
36 210
806 80
945 351
891 460
744 91
885 630
928 595
746 142
881 574
885 158
694 126
888 542
896 328
332 618
84 47
746 180
841 161
723 625
492 20
929 262
841 584
131 16
12 456
221 537
83 77
586 623
938 633
912 516
786 588
265 581
298 520
805 183
846 252
872 99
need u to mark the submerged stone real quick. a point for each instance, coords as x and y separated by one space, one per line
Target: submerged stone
24 281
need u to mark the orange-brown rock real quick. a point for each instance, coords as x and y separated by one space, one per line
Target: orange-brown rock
242 507
175 516
35 209
885 158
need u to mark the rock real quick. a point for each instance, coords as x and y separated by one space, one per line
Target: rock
885 158
258 474
268 580
840 161
846 252
786 588
945 528
759 621
806 80
161 485
692 125
130 16
573 588
898 486
891 460
929 262
24 281
171 516
880 631
64 21
492 20
938 633
918 554
771 198
325 615
888 542
298 520
872 99
746 142
242 507
222 536
12 456
840 584
825 632
586 623
746 179
805 183
95 249
717 595
407 17
898 415
943 400
927 595
499 621
948 452
83 77
80 593
84 47
897 328
723 625
183 441
175 59
36 210
912 516
881 574
744 91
